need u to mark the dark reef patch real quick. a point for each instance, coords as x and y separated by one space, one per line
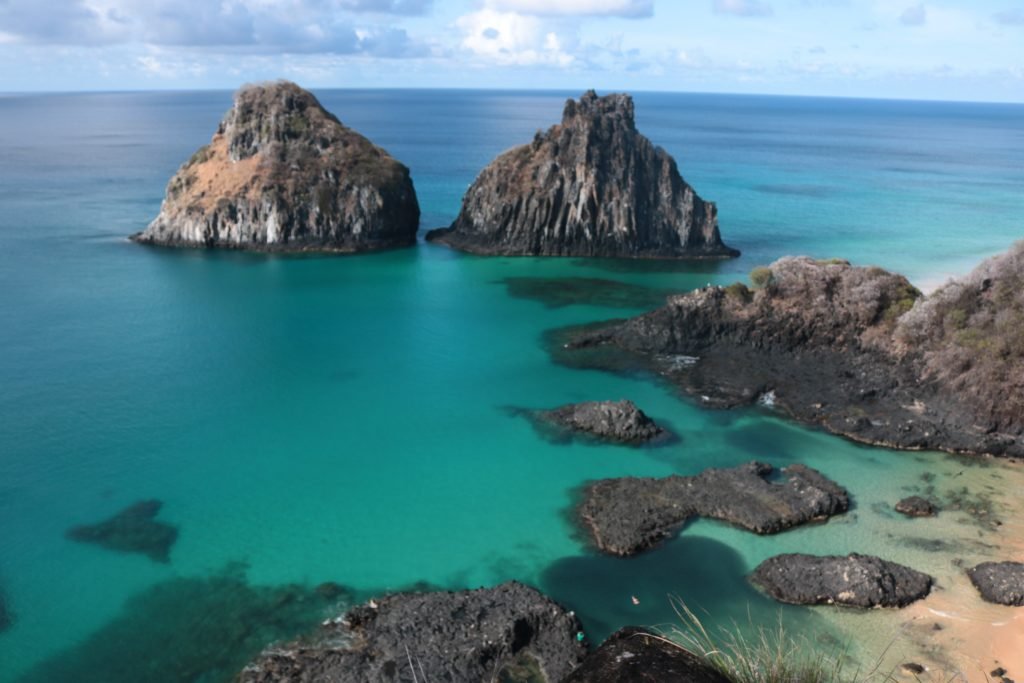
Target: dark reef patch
191 629
6 616
558 292
133 530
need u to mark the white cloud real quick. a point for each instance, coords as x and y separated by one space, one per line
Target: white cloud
576 8
513 39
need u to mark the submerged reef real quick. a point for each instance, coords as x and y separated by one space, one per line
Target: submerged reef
283 174
857 350
589 186
133 530
191 629
558 292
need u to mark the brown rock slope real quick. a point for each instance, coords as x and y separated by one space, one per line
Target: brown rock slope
857 350
591 186
283 174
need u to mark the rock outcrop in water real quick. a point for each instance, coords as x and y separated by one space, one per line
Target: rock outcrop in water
628 515
283 174
916 506
857 350
507 633
133 530
853 581
1001 583
612 421
635 655
590 186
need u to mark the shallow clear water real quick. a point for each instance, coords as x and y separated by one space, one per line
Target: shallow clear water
346 419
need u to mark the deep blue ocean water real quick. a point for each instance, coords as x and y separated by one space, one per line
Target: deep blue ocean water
346 419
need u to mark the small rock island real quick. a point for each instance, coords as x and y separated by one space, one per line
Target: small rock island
590 186
283 174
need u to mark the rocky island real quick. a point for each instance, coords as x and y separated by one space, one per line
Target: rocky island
590 186
283 174
628 515
609 421
857 350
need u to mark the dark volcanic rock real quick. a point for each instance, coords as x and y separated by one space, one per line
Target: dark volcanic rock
854 580
856 350
634 655
615 421
999 582
591 186
133 530
916 506
283 174
507 633
625 516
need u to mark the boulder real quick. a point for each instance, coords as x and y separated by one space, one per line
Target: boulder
999 582
852 581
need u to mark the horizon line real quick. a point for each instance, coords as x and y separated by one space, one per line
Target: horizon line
115 91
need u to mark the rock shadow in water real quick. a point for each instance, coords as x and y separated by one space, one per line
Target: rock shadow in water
696 267
707 575
192 630
133 530
6 616
558 292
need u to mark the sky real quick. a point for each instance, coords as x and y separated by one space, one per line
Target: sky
941 49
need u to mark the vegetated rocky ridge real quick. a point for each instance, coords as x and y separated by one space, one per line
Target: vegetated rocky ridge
627 515
853 581
283 174
508 633
856 349
590 186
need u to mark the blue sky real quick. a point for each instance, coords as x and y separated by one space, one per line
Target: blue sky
956 49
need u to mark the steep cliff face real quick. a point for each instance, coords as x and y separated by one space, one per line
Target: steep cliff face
857 350
591 186
283 174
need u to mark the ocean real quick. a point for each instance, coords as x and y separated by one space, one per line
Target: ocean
306 419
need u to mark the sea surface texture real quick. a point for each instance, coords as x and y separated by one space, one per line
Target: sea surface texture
353 419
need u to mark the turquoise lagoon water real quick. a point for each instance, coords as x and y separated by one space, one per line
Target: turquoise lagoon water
347 419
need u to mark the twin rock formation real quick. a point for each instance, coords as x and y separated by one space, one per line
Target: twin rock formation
283 174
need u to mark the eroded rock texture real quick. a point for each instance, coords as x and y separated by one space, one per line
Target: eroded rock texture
590 186
283 174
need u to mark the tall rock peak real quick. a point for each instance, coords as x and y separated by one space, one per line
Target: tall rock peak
589 186
283 174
